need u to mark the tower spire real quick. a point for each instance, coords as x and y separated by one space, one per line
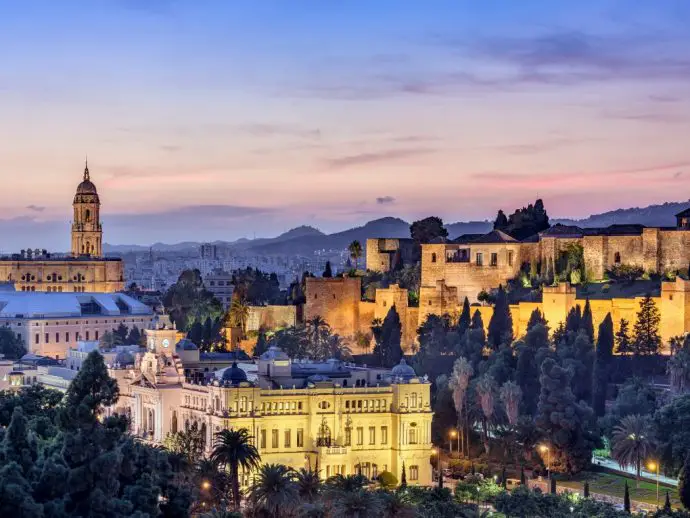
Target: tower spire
87 177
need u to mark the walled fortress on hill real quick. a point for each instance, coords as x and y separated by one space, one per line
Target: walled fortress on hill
451 271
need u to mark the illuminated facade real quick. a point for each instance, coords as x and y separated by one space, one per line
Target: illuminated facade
84 270
332 415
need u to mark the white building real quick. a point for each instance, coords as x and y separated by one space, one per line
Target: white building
52 323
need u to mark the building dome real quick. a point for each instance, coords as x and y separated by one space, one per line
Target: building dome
403 370
274 353
86 187
234 374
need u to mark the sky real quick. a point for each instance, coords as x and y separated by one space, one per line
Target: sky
207 120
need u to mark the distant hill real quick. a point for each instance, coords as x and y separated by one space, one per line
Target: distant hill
304 240
651 216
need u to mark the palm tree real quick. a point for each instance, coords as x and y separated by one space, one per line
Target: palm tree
355 249
486 390
356 504
275 490
336 347
213 483
238 314
631 442
346 483
308 484
234 449
317 333
459 381
396 505
511 394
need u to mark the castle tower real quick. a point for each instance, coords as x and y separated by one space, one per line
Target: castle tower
87 233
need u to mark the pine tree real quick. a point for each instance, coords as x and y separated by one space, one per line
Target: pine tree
328 273
646 338
465 318
388 350
587 322
684 483
623 341
567 423
626 498
602 365
196 333
501 324
527 369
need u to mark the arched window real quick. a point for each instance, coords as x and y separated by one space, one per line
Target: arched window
617 258
87 215
173 424
433 257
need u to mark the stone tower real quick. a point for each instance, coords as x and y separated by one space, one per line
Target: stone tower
87 233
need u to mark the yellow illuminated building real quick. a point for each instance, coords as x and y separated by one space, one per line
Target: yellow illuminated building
334 416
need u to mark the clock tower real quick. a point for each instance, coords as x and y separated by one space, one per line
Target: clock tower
87 234
162 341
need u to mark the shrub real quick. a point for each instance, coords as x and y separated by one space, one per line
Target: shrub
387 480
625 272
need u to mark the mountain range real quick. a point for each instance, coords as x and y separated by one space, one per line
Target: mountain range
305 240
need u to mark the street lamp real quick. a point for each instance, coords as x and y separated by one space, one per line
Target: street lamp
453 434
545 449
654 466
434 452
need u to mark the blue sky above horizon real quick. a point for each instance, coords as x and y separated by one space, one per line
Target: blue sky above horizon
218 120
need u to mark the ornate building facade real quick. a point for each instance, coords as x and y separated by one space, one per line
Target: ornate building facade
341 418
84 270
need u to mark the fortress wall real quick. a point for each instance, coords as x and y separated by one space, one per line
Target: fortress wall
271 317
674 250
376 260
336 300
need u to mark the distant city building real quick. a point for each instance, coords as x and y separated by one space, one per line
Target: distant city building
85 270
208 251
51 323
220 284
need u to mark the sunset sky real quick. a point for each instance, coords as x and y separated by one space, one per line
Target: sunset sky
221 119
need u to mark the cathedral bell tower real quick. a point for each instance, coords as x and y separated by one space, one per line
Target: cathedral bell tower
87 233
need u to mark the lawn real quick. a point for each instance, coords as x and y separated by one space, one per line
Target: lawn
614 485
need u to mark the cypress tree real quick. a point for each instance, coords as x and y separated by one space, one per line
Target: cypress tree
261 345
586 489
403 477
388 350
501 323
646 338
623 342
536 318
328 273
504 480
477 322
465 319
667 504
602 364
523 479
684 483
587 322
553 486
574 320
626 498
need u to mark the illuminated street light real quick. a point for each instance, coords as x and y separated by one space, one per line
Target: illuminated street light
545 449
452 435
654 467
206 484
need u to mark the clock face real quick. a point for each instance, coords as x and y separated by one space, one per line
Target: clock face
166 342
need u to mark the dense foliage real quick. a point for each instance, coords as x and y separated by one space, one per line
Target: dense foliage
11 345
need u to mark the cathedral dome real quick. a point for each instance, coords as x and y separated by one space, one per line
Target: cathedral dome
87 186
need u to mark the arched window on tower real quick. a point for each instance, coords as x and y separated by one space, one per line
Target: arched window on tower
87 215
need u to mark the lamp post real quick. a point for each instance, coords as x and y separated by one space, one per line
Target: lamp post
452 435
207 486
654 466
545 449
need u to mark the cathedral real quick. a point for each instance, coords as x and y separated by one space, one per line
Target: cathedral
84 269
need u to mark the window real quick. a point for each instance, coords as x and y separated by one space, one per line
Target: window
372 435
384 435
510 258
433 257
480 259
494 259
87 336
57 338
617 258
413 400
67 336
38 339
348 436
360 436
47 338
300 438
412 436
263 439
288 438
96 335
414 473
374 471
347 403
